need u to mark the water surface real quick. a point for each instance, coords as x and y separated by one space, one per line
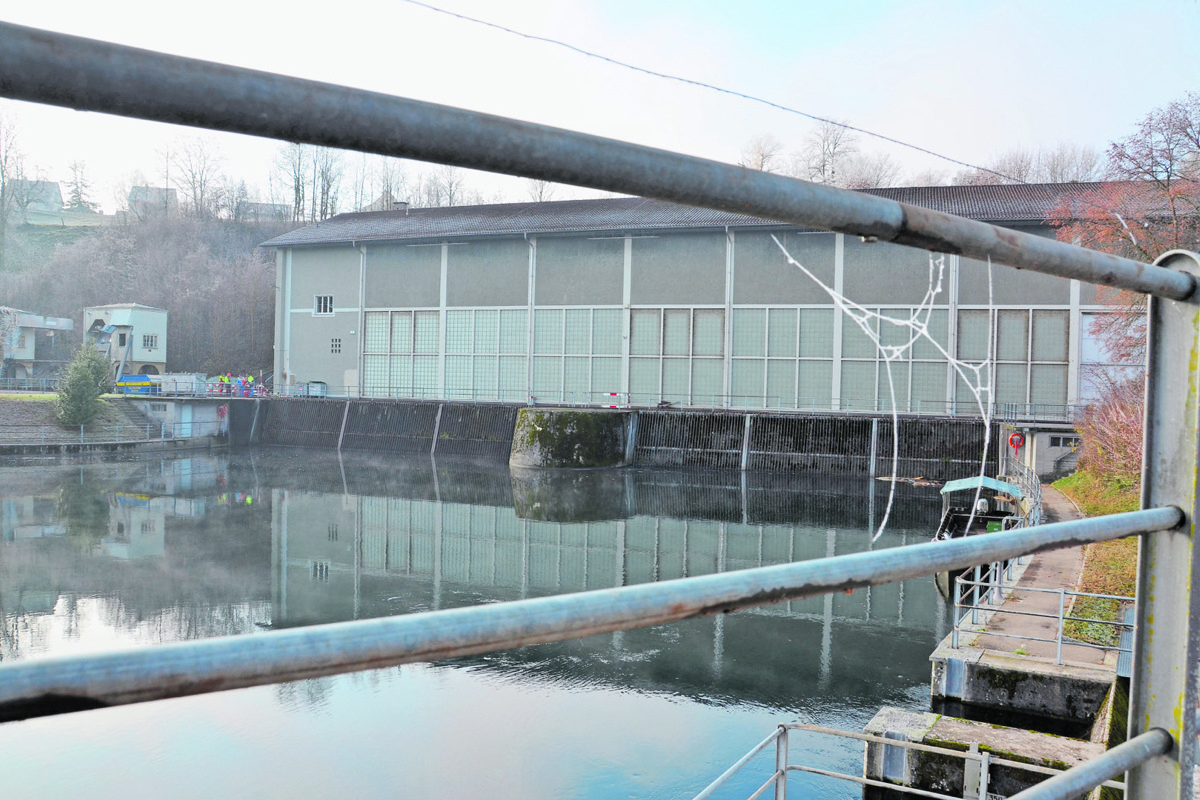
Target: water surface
134 553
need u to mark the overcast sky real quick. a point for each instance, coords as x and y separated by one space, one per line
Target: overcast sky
967 79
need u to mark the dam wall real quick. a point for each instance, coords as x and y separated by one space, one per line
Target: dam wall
856 444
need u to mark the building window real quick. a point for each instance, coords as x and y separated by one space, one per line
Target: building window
319 571
120 340
333 533
323 305
335 346
21 341
1065 441
148 526
150 341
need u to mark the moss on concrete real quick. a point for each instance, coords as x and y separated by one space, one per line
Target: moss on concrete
568 438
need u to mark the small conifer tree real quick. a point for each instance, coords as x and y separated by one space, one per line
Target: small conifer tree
78 399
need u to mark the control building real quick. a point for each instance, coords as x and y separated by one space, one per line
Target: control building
574 301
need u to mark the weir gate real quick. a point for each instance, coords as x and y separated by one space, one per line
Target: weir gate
1160 754
932 448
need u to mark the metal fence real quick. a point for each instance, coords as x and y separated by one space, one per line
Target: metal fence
1011 413
982 597
45 67
106 434
977 765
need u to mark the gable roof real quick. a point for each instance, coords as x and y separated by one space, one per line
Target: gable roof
998 204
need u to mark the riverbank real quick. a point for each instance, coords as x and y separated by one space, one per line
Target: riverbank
30 418
1108 567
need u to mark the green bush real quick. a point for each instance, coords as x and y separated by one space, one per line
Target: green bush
78 398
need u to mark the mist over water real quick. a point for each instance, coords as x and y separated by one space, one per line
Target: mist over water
135 553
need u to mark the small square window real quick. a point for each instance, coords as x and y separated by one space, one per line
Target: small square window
150 341
335 346
323 304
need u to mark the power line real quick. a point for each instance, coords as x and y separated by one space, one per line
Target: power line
709 86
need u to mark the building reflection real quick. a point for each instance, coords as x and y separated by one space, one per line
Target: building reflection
215 545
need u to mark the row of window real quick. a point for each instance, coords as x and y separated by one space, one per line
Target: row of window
779 357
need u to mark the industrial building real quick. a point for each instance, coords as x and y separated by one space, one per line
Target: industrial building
131 335
653 303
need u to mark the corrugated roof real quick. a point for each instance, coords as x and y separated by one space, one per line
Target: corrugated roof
1021 203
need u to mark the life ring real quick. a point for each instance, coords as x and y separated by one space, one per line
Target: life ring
1016 441
222 410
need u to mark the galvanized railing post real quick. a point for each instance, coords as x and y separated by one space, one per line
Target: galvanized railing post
1163 692
781 761
1062 608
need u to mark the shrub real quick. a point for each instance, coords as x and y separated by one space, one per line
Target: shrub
78 398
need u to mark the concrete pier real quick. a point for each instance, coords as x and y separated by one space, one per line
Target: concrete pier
571 438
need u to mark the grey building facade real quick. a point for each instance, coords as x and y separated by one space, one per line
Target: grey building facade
629 300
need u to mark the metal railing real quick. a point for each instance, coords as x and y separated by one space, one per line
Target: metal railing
984 597
977 765
36 435
1013 413
74 72
1030 485
29 384
1008 412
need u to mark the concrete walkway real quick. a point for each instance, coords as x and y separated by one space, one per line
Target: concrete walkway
1057 569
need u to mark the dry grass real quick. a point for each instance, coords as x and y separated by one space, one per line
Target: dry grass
1108 567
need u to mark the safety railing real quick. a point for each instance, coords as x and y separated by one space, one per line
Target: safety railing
977 765
1013 413
776 404
982 598
29 384
41 66
11 434
1030 485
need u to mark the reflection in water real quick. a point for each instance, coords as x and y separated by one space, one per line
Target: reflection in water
142 552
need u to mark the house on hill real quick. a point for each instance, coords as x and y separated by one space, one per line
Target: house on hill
568 301
133 336
34 195
247 211
146 202
33 346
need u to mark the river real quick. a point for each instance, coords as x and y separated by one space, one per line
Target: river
134 553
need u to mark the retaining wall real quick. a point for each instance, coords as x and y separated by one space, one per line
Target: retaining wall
937 449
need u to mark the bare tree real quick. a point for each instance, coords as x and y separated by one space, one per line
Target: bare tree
869 171
539 191
763 152
291 170
1069 163
825 152
326 182
10 167
391 180
196 165
929 177
442 186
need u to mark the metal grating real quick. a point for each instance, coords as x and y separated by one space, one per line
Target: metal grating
302 423
381 426
476 430
677 439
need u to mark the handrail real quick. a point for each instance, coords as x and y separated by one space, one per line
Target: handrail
1083 778
86 74
210 665
983 761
